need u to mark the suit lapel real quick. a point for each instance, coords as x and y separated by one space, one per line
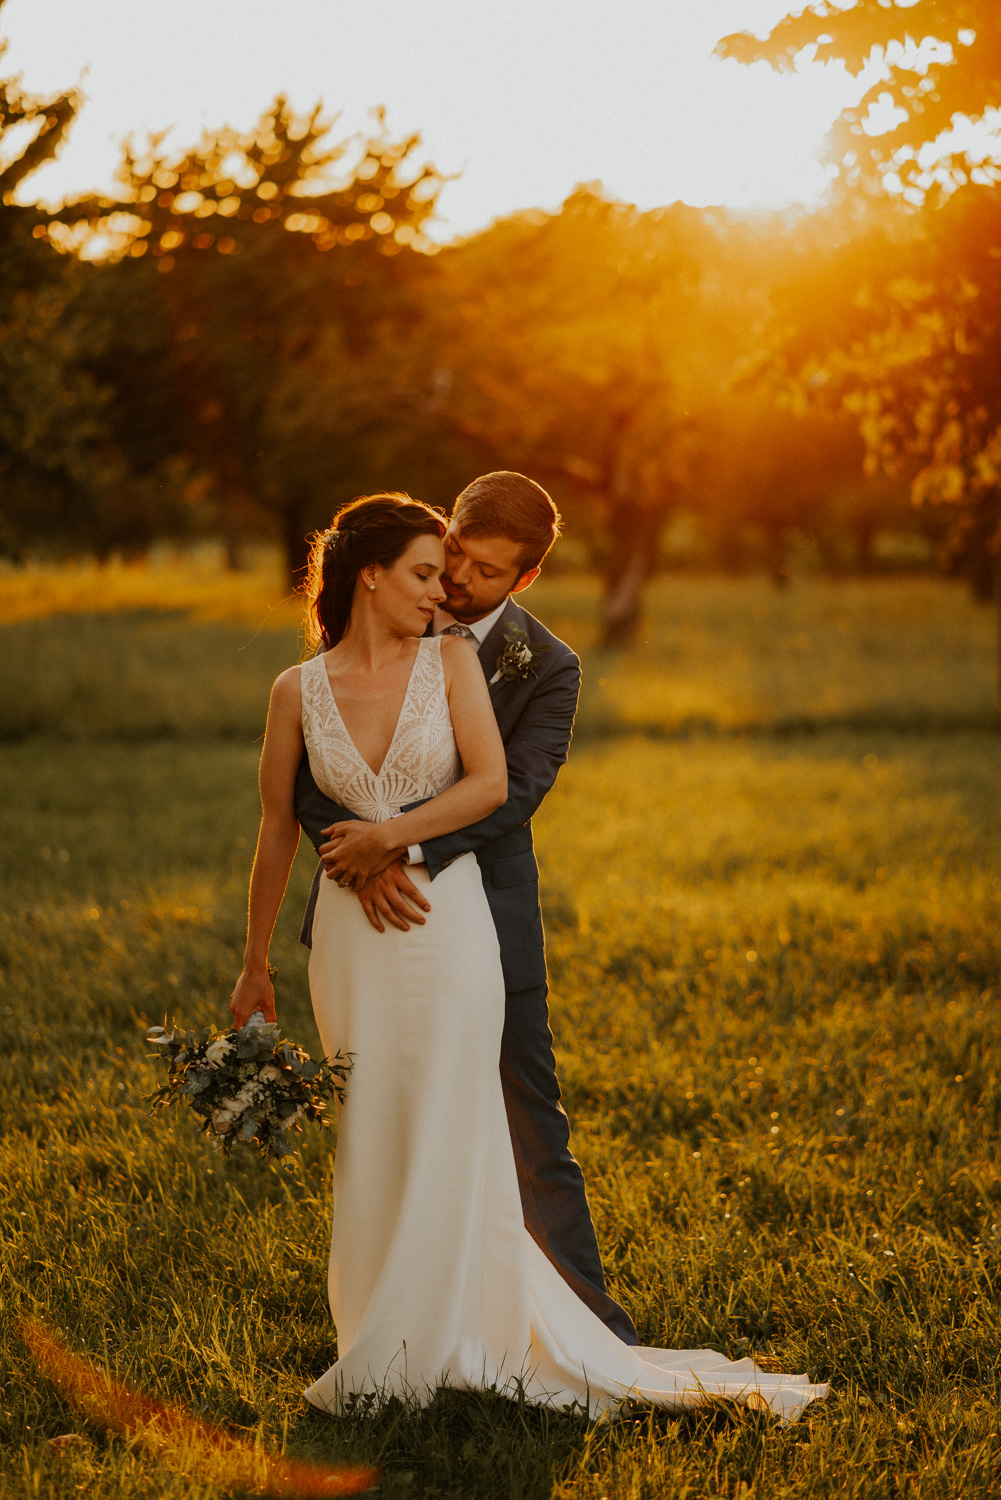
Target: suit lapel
494 643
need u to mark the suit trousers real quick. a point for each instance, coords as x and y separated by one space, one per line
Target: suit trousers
553 1195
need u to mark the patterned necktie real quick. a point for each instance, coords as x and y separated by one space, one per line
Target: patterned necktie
463 630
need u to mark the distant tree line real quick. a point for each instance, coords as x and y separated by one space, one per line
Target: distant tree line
254 330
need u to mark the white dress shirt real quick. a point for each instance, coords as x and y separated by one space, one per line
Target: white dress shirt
480 629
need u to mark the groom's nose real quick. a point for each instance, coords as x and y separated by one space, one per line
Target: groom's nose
458 572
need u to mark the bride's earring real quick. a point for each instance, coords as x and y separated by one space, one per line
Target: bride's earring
371 585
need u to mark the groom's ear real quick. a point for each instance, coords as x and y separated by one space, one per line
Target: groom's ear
526 579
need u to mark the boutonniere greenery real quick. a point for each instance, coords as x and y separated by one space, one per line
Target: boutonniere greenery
517 660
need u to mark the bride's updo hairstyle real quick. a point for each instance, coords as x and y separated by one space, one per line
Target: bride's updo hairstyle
374 529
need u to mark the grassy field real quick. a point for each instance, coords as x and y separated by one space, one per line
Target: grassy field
143 653
775 964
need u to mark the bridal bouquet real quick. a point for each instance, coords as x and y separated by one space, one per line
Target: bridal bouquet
247 1085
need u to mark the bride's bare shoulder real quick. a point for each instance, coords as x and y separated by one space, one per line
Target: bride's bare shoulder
456 651
459 663
287 690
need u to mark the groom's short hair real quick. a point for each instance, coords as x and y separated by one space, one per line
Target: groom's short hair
509 504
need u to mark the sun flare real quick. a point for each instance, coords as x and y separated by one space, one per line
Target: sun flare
628 94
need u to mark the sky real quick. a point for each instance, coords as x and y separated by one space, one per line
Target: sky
522 99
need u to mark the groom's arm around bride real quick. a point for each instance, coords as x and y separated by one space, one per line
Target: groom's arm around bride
502 526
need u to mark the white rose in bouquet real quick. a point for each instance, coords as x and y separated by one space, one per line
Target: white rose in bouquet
224 1117
217 1052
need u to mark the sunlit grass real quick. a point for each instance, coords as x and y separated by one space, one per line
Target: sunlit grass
738 654
192 580
776 984
197 656
776 987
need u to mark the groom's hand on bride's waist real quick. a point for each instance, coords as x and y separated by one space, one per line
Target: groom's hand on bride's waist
392 897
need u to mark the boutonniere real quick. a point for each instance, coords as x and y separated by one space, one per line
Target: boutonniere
517 660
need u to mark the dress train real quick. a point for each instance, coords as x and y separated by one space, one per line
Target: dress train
433 1278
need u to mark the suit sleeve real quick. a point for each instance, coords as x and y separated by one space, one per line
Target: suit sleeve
535 751
314 810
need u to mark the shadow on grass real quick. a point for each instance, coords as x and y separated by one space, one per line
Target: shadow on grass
464 1443
483 1444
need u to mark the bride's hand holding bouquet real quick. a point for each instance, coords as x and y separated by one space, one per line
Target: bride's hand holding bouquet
253 991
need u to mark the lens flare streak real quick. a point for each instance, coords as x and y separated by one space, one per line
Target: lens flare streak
179 1441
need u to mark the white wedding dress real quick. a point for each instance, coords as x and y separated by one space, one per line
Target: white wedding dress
434 1279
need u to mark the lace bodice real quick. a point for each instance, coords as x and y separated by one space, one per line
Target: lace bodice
421 761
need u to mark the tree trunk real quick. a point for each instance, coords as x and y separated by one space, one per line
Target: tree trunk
632 560
975 544
982 562
997 608
230 511
865 558
981 571
778 567
295 545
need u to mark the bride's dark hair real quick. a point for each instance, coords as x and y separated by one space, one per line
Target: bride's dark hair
375 529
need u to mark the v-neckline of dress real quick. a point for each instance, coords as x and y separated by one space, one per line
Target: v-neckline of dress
399 718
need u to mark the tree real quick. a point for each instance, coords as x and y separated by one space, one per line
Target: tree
773 479
898 321
261 313
941 61
574 347
57 465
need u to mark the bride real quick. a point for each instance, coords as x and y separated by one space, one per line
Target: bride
433 1278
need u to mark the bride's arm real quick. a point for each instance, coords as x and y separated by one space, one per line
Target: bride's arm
276 845
364 848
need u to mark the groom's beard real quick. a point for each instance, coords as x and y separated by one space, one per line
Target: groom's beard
466 606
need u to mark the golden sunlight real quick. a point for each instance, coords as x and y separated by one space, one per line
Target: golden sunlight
519 105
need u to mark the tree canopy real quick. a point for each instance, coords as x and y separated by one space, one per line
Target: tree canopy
940 61
252 329
260 312
54 462
586 347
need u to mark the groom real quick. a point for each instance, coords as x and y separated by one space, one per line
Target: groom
501 529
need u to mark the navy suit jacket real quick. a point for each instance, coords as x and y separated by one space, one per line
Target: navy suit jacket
535 716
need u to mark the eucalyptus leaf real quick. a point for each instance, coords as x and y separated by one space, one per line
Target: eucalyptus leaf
196 1082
